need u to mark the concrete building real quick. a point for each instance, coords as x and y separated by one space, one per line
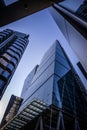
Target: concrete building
55 98
12 109
12 47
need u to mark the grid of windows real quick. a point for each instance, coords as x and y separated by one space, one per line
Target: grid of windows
20 45
9 58
16 51
14 54
82 11
12 108
5 34
73 101
12 46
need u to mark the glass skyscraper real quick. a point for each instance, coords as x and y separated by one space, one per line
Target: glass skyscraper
82 11
12 47
55 92
71 21
52 96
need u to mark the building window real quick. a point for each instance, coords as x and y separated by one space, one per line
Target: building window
82 69
14 61
1 39
10 66
1 70
16 50
1 85
6 74
20 45
10 52
3 62
71 96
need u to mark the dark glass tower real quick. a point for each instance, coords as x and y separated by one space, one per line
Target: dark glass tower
82 11
53 97
76 16
12 47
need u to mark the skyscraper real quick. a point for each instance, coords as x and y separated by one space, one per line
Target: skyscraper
82 11
54 97
12 109
28 81
71 20
12 47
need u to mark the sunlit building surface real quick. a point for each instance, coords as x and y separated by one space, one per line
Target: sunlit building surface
12 47
54 97
28 81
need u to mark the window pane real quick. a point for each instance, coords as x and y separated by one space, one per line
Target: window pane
10 66
6 74
1 83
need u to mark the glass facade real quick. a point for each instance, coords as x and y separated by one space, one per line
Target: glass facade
82 11
55 84
82 69
5 34
12 47
37 83
53 90
62 13
28 81
67 94
72 99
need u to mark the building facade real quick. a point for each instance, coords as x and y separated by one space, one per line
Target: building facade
12 47
54 98
27 82
12 109
71 21
82 11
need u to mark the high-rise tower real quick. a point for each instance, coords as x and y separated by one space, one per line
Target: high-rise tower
12 47
71 21
12 109
54 97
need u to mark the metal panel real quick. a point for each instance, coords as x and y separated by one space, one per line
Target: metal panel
18 121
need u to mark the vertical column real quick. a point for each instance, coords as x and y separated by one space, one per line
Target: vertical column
39 123
60 122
